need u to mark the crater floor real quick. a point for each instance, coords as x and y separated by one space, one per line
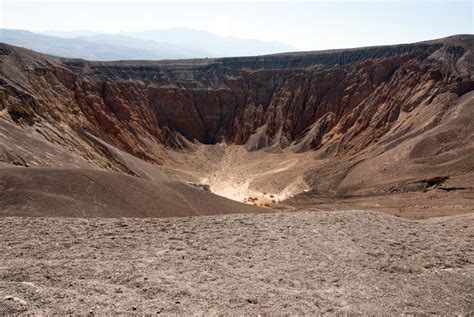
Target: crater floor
279 180
260 178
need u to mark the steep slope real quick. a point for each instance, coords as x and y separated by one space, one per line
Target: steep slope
405 105
58 182
91 193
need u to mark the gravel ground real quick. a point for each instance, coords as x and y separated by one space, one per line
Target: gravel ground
302 262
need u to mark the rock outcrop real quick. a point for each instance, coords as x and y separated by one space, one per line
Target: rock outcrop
338 102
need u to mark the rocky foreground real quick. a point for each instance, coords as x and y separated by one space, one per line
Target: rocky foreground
304 262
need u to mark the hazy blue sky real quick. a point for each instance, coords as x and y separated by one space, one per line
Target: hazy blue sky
304 24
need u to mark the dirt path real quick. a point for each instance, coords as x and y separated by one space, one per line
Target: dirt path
304 262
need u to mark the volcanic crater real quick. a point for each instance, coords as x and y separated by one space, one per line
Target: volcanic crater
246 185
369 127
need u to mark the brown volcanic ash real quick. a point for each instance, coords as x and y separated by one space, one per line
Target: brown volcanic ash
301 263
408 106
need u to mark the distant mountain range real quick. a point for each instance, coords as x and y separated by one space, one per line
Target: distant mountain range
174 43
